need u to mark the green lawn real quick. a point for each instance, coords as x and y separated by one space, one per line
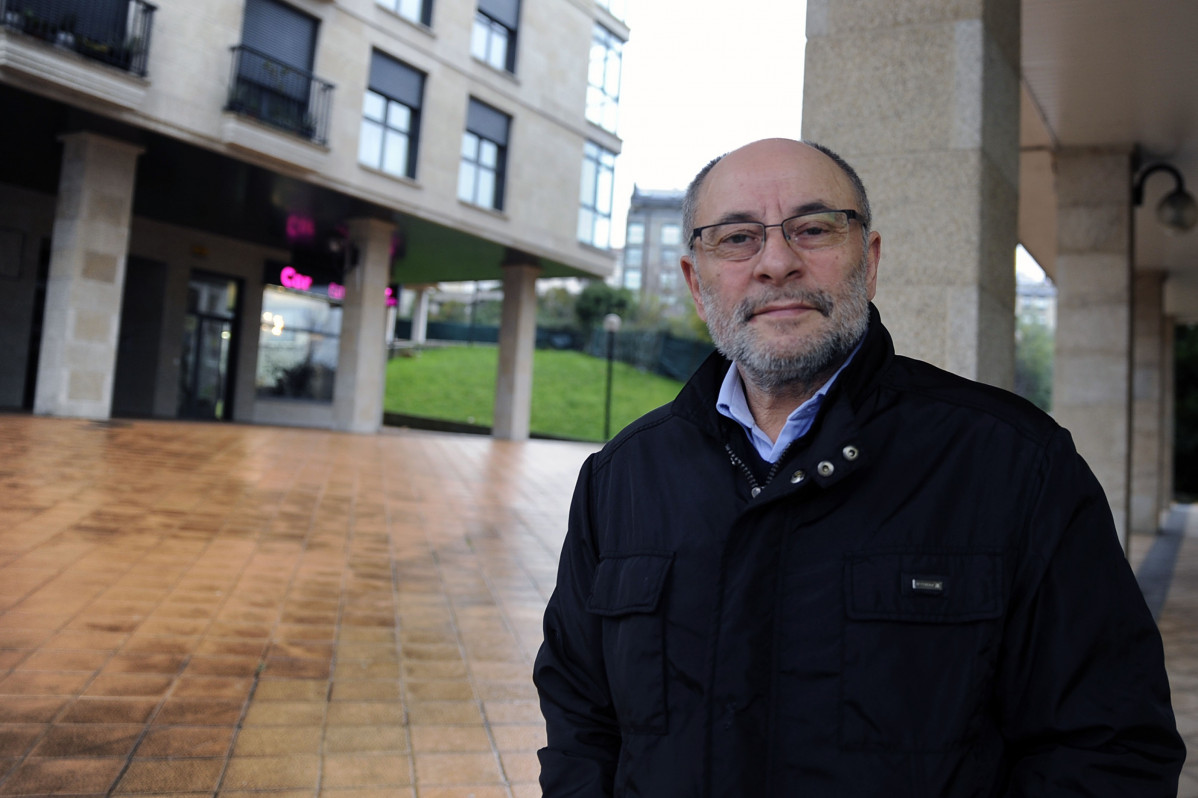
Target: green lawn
458 384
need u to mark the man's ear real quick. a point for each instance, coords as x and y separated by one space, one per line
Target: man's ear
690 273
873 254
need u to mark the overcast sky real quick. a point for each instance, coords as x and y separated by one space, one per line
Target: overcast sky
698 83
701 78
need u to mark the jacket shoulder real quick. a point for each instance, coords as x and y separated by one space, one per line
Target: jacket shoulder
916 380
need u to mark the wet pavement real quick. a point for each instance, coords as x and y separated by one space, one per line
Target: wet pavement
203 609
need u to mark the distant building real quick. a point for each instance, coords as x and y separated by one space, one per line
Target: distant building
206 206
653 244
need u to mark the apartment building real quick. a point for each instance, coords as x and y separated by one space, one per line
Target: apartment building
653 243
205 208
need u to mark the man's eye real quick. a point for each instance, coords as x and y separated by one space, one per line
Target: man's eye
737 237
811 230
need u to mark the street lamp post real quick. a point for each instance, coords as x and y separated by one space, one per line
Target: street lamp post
611 325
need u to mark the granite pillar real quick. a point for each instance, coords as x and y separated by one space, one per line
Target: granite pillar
362 357
89 245
1092 393
922 97
517 343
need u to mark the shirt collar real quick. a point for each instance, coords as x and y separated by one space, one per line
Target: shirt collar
731 403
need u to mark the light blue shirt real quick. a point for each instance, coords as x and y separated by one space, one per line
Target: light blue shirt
732 403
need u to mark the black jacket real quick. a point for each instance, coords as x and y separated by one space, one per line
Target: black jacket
926 598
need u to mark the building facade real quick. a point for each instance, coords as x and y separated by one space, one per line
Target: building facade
653 244
214 203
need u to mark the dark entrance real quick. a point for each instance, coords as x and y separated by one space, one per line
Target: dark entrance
208 358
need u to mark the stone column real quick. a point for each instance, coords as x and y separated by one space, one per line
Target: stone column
1091 394
517 343
362 356
1149 329
923 99
88 247
420 316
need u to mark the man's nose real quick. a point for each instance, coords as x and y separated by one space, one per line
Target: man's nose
777 261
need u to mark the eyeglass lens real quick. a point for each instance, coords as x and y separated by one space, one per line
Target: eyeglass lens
741 240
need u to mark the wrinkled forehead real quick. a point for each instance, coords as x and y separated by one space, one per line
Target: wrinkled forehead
773 177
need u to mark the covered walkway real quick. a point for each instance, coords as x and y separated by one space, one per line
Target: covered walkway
213 609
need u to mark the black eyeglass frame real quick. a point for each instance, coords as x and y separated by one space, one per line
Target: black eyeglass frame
848 212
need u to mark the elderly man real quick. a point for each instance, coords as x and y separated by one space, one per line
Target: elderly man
828 570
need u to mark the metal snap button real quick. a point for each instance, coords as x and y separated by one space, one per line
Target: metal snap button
850 453
825 469
797 477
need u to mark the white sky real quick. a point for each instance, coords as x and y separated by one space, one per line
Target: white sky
697 84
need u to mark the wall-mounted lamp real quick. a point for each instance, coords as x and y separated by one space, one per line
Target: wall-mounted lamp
1178 211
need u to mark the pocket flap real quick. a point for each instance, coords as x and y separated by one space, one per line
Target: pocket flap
924 587
626 584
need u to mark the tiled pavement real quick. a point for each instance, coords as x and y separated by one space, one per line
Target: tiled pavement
200 609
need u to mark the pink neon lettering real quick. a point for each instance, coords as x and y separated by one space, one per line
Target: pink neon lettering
336 291
290 278
299 227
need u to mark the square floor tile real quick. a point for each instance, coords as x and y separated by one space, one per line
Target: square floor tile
159 777
451 769
366 770
186 741
89 739
272 773
63 776
362 739
278 741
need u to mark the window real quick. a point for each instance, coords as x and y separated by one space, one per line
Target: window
493 39
636 233
634 256
603 78
484 154
671 235
391 116
413 10
298 342
632 279
594 217
669 257
274 80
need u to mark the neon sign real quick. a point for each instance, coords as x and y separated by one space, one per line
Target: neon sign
290 278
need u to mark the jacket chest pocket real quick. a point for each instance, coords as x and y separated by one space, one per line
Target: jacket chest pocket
627 593
920 643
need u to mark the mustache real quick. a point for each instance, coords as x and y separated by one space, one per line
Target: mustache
819 300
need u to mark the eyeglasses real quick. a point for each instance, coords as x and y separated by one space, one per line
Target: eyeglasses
805 232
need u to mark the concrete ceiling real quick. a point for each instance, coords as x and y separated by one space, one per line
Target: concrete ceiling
1112 74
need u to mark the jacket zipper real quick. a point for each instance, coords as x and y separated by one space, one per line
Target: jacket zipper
754 488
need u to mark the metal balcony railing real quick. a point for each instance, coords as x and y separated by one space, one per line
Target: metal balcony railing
116 32
280 95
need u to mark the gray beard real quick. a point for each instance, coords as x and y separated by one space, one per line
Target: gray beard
813 361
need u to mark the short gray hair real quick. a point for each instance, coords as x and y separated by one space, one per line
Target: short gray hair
690 200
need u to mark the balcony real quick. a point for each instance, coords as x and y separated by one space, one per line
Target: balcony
113 32
279 95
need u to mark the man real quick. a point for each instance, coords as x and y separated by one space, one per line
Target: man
827 570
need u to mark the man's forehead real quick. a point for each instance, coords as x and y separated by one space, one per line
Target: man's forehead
789 174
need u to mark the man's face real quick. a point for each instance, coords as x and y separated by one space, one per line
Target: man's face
784 316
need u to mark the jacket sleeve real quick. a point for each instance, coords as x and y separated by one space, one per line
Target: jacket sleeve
582 733
1082 688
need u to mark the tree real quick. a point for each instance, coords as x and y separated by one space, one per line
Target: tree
555 308
1033 360
597 300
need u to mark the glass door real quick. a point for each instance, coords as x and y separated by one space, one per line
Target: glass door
205 364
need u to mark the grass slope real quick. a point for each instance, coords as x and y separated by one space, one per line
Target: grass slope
458 384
